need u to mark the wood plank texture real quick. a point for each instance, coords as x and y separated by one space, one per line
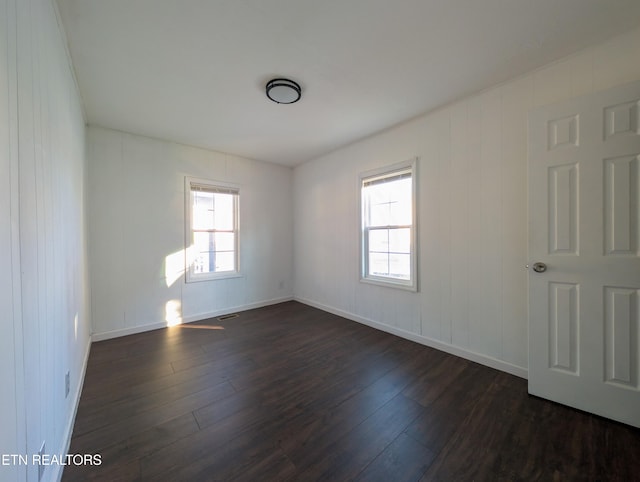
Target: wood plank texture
289 392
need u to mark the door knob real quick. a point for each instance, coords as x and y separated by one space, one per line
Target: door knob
539 267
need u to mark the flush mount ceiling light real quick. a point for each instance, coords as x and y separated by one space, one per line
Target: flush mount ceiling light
283 91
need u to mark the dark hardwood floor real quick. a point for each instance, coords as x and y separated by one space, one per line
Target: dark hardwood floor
289 392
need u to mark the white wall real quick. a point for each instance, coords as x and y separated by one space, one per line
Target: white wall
137 233
472 213
11 435
43 275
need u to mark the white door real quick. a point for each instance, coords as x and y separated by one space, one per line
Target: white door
584 209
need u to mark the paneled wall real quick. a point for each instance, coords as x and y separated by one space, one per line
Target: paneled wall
137 233
11 373
43 274
472 213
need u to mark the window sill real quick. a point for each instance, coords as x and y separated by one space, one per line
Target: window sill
212 277
390 284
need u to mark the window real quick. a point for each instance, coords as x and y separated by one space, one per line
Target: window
388 233
212 230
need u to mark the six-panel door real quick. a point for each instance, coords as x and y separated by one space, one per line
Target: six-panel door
584 208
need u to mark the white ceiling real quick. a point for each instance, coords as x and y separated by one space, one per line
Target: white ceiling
194 71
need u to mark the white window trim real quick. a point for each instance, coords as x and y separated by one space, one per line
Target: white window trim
412 283
191 277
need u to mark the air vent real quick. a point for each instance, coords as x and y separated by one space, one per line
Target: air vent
228 317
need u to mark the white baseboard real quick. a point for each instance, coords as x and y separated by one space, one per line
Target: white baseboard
70 423
107 335
226 311
187 319
424 340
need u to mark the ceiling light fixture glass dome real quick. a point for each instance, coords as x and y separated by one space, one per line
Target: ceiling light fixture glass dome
283 91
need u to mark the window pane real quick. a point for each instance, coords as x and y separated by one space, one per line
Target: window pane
203 263
388 203
377 200
216 252
202 217
223 214
389 253
400 240
390 240
212 241
224 242
213 211
379 214
214 262
400 266
378 264
400 202
203 241
379 240
225 261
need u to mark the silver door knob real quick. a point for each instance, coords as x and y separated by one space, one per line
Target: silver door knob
539 267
